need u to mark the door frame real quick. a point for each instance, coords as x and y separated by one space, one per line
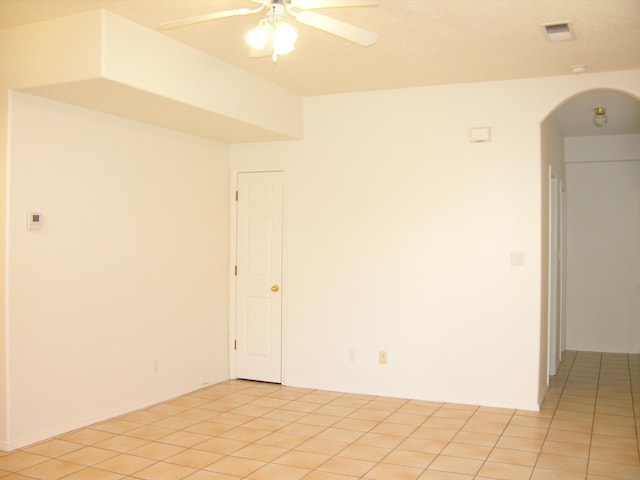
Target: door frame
563 267
556 311
233 250
554 348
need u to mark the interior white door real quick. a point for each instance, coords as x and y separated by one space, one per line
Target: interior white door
259 277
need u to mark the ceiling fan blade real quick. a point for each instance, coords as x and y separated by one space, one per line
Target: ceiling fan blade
183 22
304 4
338 28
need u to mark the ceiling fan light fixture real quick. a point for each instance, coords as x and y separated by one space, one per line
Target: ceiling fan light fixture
284 38
273 34
259 36
600 118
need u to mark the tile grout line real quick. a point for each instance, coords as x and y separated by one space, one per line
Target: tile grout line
364 433
236 391
449 442
377 462
328 427
633 406
555 409
593 418
496 442
335 454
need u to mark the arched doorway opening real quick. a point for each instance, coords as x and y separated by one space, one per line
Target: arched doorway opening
591 225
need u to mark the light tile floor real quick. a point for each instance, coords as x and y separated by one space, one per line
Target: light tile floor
588 429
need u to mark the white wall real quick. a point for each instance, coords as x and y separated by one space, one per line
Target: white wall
131 266
603 258
133 262
399 238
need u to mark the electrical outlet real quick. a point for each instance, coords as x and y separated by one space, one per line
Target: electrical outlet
352 355
155 365
382 357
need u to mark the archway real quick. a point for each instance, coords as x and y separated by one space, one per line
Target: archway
587 247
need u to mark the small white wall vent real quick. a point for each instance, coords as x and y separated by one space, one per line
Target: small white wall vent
558 32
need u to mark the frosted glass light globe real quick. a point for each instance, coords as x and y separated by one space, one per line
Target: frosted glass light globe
284 38
600 119
259 36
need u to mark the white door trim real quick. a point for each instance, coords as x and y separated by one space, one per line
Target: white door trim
553 350
233 238
563 268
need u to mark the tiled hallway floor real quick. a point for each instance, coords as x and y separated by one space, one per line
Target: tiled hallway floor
588 429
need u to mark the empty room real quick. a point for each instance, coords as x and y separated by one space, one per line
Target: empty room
320 239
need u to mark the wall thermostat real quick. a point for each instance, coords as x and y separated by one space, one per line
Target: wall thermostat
34 221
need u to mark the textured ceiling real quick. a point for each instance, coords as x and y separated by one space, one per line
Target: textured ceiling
421 42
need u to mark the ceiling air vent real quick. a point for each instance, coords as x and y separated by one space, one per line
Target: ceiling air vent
558 32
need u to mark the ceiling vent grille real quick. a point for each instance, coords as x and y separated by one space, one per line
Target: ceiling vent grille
558 32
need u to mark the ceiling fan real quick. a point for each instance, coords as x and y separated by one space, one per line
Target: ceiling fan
274 36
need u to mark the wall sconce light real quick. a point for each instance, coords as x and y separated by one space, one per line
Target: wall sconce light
600 118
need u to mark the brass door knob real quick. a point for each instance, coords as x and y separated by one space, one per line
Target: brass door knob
275 288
